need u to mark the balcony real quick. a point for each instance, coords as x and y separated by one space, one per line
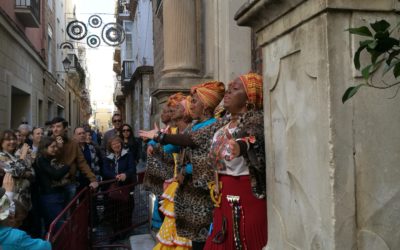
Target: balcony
126 9
128 68
117 61
123 8
28 12
118 96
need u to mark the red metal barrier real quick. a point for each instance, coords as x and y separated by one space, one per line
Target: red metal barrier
73 224
101 218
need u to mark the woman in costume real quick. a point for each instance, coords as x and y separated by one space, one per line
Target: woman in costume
193 206
167 236
238 157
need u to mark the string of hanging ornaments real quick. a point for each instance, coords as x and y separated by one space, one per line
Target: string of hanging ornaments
111 34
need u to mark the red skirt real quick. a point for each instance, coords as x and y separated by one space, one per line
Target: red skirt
253 227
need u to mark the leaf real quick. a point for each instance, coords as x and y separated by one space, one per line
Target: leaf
384 45
373 44
361 31
389 67
381 25
374 55
369 69
392 55
365 71
357 57
381 35
396 70
350 92
366 42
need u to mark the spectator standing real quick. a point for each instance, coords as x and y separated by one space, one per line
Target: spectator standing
90 153
71 155
119 165
47 129
22 173
116 131
25 132
130 142
32 224
52 176
37 133
12 238
99 137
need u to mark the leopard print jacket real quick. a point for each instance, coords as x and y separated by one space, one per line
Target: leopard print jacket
193 205
23 174
251 123
159 167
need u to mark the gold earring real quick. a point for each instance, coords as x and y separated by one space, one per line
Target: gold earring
249 105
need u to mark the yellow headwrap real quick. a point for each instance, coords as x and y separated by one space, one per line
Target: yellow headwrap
252 83
210 93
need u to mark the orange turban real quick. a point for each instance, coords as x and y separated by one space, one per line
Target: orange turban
187 105
210 93
252 83
174 99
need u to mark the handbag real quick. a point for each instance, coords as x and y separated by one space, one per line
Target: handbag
119 193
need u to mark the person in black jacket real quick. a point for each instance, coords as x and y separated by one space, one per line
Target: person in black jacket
52 176
130 142
119 165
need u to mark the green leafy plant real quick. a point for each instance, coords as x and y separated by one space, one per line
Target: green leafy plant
383 50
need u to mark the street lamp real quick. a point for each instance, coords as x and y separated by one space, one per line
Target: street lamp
66 64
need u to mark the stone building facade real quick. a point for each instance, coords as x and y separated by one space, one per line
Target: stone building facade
196 41
134 63
332 169
32 79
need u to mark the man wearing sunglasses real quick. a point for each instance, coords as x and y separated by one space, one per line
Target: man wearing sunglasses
116 131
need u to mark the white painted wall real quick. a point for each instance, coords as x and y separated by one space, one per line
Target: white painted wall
141 30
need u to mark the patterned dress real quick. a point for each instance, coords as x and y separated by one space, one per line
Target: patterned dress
167 236
23 174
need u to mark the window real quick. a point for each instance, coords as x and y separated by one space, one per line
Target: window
128 26
40 121
49 49
50 4
50 106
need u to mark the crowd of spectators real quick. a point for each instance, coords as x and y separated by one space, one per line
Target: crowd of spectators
43 168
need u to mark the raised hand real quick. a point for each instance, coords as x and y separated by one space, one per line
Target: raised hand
234 149
150 150
149 134
24 151
121 177
60 141
8 182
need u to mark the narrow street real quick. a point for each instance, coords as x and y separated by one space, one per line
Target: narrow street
199 124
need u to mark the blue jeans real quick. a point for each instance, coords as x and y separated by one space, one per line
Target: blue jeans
52 205
69 192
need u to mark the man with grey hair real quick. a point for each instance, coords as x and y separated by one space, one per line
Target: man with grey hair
92 156
25 131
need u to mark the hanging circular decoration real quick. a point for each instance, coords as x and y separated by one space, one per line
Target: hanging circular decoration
95 21
77 30
93 41
113 34
66 45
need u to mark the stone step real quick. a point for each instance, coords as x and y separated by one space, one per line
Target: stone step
142 242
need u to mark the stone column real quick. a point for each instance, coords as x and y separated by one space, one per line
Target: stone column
332 169
180 38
